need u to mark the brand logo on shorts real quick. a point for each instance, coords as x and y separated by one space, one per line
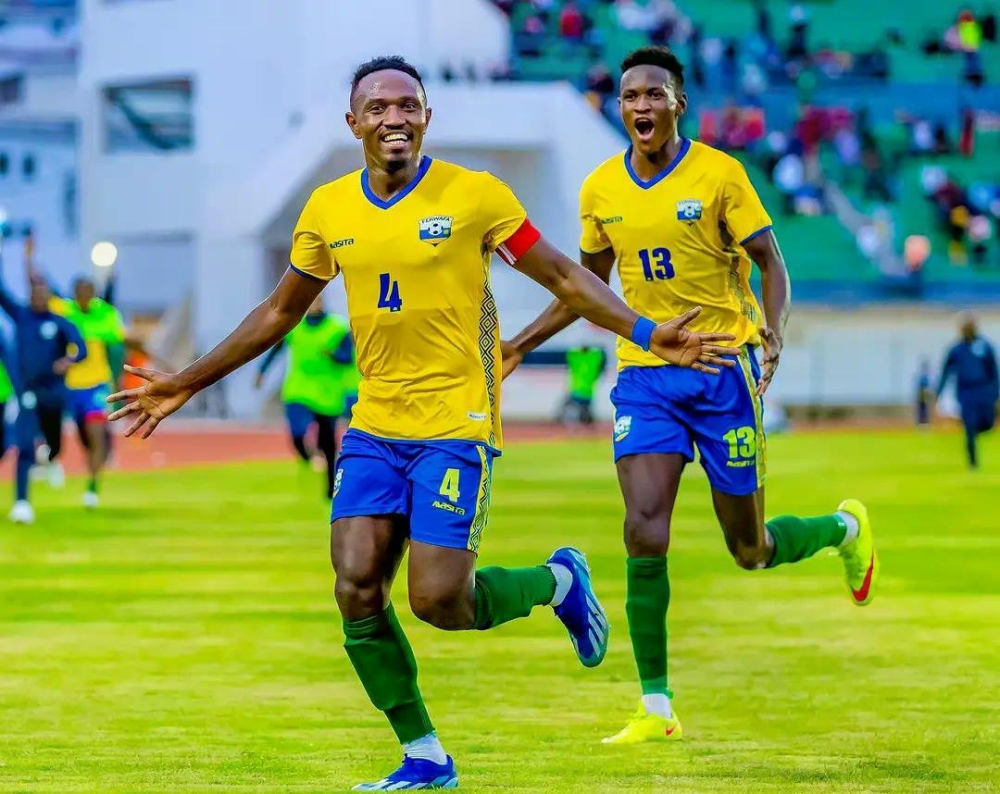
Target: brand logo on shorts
436 229
622 427
689 210
448 508
337 480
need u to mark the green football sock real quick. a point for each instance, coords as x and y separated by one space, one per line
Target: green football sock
384 662
800 538
505 594
92 485
646 602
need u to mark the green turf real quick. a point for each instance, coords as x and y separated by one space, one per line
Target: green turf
184 639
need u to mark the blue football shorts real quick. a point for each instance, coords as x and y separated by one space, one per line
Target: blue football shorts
442 487
671 409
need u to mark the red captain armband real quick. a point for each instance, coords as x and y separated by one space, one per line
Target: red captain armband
517 245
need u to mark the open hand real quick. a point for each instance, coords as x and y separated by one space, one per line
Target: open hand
772 342
511 357
154 401
675 344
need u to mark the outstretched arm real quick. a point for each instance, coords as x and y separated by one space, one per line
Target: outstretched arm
164 393
586 295
556 317
776 289
946 372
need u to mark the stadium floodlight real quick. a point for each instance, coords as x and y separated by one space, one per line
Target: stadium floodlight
104 254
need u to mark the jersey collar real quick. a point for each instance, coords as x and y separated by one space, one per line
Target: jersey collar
685 145
425 164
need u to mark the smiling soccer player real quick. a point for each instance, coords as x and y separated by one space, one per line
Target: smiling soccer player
413 238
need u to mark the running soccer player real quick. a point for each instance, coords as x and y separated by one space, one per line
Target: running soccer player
413 237
88 383
972 362
319 348
46 346
683 221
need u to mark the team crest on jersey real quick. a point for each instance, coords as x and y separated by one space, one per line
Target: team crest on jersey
436 229
689 210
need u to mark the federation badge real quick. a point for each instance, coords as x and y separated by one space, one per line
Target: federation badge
689 210
436 229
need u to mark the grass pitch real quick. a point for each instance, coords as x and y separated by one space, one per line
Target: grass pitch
185 639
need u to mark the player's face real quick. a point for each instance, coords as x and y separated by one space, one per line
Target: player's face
651 103
83 293
389 115
39 299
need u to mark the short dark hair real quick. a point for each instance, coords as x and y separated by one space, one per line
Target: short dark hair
82 281
656 56
396 63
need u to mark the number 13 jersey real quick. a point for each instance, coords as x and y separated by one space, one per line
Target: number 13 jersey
417 275
678 240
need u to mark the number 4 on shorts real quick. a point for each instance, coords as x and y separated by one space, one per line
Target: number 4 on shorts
449 485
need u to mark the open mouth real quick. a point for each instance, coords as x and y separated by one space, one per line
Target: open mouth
644 128
396 138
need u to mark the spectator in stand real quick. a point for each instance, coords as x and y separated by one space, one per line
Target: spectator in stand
532 36
979 233
876 185
848 148
921 138
942 143
571 22
790 176
632 16
763 19
600 85
798 17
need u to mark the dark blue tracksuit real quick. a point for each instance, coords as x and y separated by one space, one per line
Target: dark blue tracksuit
40 340
973 364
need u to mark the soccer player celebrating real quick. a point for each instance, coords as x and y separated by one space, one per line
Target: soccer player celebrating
972 362
681 220
47 345
87 383
417 461
313 391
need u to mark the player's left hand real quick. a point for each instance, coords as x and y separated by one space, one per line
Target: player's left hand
675 344
773 343
61 365
511 357
154 401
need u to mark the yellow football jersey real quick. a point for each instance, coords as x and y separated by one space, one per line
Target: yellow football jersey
417 275
678 241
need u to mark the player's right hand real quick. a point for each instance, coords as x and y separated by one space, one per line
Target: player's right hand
511 357
154 401
672 342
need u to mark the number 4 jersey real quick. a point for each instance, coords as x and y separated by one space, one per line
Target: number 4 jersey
678 240
417 275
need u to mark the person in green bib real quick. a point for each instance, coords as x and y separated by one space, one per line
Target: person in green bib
586 365
88 383
317 382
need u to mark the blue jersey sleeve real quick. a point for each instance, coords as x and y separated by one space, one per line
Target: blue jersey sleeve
344 354
992 371
947 370
8 302
72 337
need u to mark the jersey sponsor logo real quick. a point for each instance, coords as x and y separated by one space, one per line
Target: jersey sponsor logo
436 229
29 401
341 243
689 210
979 348
612 219
623 424
448 507
48 330
476 416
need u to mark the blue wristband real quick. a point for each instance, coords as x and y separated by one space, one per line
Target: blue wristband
642 332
